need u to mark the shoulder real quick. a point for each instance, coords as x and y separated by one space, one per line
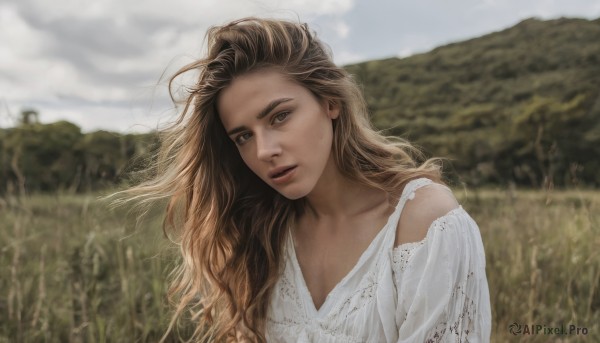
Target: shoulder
429 203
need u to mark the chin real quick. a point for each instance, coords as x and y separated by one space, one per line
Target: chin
292 194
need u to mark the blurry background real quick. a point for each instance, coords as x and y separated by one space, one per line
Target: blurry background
509 91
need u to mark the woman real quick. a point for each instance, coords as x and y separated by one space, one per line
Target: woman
298 222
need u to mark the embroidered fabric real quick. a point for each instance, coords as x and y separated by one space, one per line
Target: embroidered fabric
434 290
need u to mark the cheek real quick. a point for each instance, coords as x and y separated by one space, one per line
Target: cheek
315 131
324 136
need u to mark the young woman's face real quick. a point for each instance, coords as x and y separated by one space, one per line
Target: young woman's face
278 124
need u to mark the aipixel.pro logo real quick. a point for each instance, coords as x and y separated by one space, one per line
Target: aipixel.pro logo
539 329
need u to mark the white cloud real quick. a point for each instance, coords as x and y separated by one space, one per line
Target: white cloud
319 7
181 11
342 29
405 52
67 57
347 57
17 34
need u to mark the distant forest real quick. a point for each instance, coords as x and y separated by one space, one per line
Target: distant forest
520 106
58 156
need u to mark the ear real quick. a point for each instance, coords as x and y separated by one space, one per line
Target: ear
333 109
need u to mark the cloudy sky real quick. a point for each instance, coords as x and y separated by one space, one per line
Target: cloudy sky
98 63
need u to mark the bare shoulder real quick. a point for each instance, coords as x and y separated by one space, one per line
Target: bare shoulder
428 204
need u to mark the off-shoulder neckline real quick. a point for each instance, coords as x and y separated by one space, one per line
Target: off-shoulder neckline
412 245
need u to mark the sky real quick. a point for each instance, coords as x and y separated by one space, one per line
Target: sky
104 64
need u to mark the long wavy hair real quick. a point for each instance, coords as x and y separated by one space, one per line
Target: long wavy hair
229 224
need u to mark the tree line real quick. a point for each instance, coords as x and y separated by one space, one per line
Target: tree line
58 156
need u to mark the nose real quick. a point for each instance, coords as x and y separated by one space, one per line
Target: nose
267 146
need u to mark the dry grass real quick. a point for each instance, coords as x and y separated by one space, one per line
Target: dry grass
72 271
543 259
80 273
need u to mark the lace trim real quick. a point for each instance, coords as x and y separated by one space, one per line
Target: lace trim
401 255
464 323
440 223
333 324
289 294
317 329
336 333
363 296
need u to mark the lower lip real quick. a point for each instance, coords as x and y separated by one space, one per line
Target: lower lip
285 177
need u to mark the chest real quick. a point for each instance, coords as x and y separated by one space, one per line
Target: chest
327 253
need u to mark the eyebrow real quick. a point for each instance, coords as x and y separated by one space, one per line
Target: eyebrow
270 107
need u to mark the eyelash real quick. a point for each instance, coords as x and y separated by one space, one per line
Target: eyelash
286 113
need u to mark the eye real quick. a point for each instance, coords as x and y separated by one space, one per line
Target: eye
280 117
241 139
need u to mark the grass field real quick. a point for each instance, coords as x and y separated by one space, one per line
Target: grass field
73 271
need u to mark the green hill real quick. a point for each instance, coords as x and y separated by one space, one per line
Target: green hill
521 105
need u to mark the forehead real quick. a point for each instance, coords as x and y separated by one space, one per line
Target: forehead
249 93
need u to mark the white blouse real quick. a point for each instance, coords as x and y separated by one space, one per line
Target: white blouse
434 290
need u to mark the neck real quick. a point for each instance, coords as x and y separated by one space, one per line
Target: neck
336 197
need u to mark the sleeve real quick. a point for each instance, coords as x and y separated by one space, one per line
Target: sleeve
443 293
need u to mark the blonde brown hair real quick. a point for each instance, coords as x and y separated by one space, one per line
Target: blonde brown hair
230 224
